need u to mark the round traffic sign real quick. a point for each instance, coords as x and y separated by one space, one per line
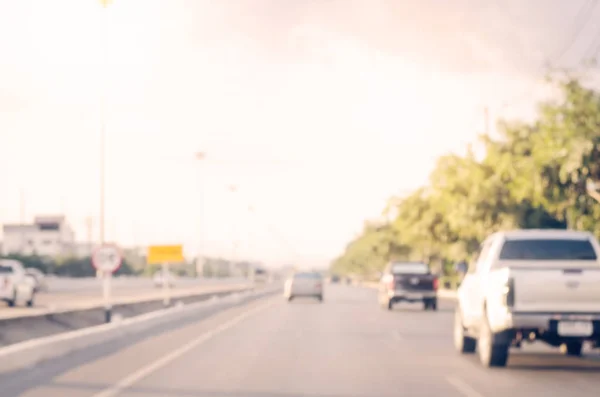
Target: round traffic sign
107 258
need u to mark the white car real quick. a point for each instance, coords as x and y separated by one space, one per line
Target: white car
15 286
309 284
160 279
526 286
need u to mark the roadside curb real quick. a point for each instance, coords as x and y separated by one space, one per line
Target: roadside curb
29 353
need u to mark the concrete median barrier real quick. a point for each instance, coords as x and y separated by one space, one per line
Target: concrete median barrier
83 315
31 352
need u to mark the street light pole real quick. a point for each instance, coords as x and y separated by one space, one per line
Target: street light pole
105 4
201 157
233 189
107 276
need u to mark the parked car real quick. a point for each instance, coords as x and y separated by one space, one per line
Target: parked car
408 282
526 286
308 284
15 286
41 284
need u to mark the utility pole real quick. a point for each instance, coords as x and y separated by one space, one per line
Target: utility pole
233 189
102 167
22 221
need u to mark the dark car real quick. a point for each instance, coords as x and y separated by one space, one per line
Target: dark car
408 282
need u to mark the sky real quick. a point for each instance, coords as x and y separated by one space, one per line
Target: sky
316 111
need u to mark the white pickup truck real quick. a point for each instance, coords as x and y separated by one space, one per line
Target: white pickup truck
529 285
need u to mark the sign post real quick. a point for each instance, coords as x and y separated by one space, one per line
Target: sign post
164 255
107 260
166 284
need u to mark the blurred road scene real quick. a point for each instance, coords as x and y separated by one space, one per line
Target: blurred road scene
258 198
272 348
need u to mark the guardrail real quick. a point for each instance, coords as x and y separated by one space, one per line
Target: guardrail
72 284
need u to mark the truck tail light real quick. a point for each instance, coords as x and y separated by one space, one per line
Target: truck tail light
509 292
436 283
391 283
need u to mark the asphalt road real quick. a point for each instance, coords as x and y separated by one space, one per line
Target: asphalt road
77 293
346 346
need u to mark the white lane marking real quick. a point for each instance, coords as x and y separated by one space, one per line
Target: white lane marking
463 387
141 373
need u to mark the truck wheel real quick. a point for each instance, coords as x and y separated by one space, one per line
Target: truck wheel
574 348
492 352
12 302
464 344
384 304
433 304
31 300
430 304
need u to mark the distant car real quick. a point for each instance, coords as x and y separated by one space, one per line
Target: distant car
41 285
160 278
335 279
15 285
307 284
260 276
408 282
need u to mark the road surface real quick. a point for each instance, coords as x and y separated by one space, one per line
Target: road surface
79 293
345 347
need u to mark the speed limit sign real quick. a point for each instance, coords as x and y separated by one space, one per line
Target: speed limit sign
107 258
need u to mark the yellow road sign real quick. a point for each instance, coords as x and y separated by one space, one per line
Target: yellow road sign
165 254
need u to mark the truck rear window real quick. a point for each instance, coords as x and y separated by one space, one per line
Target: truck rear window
307 276
548 250
5 269
410 268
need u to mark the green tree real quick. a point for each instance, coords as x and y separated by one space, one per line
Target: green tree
533 175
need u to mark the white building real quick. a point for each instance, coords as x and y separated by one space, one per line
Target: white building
47 236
